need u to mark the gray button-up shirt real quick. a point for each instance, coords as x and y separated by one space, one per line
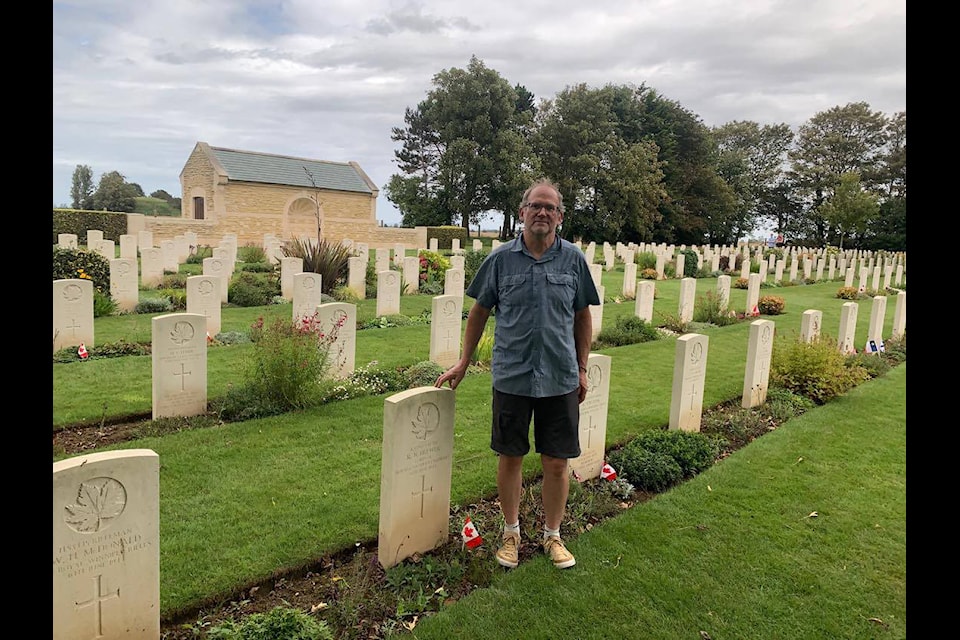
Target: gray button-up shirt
534 353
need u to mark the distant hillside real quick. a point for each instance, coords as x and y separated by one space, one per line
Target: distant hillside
157 206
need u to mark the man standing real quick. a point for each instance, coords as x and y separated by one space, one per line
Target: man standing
541 288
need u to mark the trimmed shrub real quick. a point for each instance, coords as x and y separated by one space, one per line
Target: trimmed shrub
423 374
154 305
691 450
253 289
280 623
771 305
644 469
627 330
816 369
69 264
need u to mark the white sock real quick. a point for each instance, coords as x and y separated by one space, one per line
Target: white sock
512 528
551 532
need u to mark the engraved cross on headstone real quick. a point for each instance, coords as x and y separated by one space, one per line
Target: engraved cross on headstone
98 600
182 373
590 429
422 493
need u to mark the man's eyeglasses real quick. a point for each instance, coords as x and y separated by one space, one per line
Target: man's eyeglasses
536 206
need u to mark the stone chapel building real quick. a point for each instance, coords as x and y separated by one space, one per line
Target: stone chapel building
252 194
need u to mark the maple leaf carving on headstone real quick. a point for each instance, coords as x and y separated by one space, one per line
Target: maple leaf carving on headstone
98 502
427 420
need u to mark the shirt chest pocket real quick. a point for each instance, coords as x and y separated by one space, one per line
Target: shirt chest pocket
561 287
513 288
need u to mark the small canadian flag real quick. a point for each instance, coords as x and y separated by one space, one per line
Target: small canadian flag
607 472
471 537
82 352
756 310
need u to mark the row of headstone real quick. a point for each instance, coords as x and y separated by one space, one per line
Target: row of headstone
106 505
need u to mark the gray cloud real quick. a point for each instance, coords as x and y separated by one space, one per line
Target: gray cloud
136 85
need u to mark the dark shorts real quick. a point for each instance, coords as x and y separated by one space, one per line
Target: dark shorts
556 424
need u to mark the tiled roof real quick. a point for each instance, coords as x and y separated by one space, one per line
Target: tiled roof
249 166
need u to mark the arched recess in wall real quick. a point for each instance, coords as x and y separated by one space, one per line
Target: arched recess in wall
300 217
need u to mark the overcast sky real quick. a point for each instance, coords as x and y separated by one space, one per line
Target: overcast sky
137 84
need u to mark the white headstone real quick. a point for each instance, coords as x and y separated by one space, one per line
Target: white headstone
203 298
596 272
388 293
643 305
124 283
753 295
411 274
877 312
415 471
218 267
67 240
810 323
848 328
453 282
144 239
151 267
128 246
306 294
445 327
630 280
179 367
106 546
596 314
168 249
338 321
357 278
688 297
72 313
593 420
723 291
689 374
288 267
759 354
899 316
94 236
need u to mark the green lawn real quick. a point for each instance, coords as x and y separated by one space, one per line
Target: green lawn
733 552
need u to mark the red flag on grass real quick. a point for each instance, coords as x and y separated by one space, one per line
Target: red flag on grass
82 352
471 537
607 472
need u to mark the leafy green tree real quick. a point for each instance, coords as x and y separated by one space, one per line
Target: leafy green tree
699 204
461 147
474 111
851 138
850 208
81 189
419 194
418 205
888 230
612 187
751 160
893 170
114 193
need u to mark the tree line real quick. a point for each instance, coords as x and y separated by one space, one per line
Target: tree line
112 193
635 166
